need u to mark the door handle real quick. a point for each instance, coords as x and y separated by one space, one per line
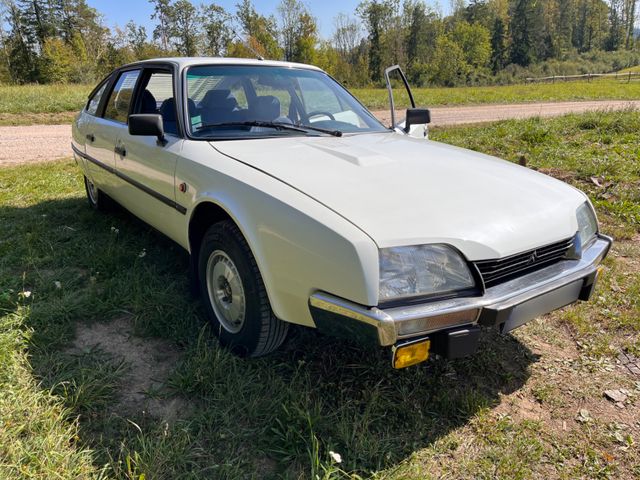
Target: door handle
91 137
121 151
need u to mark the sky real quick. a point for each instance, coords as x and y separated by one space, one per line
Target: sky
119 12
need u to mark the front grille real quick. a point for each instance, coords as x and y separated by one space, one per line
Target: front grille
502 269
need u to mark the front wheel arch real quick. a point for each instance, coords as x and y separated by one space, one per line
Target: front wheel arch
204 215
258 331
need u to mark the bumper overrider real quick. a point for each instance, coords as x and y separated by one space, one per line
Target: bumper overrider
451 327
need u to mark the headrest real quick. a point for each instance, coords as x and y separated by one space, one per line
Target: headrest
148 103
219 99
168 109
266 108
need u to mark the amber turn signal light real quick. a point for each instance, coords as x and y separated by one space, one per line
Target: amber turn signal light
411 353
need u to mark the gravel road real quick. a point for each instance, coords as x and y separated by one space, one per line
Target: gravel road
37 143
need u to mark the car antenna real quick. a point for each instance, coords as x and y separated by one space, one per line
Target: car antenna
248 45
245 42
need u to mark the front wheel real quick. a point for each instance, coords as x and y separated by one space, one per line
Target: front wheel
234 294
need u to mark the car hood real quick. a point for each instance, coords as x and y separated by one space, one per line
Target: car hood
405 191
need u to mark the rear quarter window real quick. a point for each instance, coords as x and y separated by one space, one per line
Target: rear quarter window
94 100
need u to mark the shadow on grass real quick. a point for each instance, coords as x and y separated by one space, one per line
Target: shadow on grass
270 417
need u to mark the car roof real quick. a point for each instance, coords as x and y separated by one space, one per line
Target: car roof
183 62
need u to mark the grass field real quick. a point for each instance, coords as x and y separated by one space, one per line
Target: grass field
54 104
157 399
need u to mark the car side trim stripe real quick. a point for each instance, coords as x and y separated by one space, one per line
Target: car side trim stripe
135 183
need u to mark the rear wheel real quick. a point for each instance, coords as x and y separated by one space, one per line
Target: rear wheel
98 200
234 294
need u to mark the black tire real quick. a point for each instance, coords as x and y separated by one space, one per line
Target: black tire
260 332
98 200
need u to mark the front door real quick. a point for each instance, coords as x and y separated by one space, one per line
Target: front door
148 165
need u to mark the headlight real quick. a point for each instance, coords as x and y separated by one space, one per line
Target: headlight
587 224
422 270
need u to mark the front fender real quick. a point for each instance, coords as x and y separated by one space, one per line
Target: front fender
300 246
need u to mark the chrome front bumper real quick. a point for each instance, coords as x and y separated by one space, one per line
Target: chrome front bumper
507 305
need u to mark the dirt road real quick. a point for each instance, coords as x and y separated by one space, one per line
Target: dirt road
38 143
442 116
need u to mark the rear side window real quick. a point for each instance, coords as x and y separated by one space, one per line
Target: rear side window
94 101
118 104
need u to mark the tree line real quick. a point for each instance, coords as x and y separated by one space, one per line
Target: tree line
480 41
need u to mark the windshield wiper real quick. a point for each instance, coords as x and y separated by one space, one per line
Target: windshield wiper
335 133
276 125
253 123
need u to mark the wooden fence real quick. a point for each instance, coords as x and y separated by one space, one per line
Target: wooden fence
628 76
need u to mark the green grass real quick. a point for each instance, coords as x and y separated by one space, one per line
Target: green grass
56 98
41 104
498 414
50 104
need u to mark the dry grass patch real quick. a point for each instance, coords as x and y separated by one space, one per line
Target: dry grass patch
148 361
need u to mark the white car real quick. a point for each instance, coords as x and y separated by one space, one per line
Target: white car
298 206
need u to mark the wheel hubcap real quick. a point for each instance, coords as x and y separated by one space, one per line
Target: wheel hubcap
226 293
93 193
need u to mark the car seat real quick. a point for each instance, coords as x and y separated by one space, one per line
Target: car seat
148 103
168 112
265 108
218 106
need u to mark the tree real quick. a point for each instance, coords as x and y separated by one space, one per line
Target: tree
37 18
591 30
346 35
216 30
136 38
20 45
423 27
298 30
499 49
449 67
474 41
261 33
376 16
352 66
57 61
184 26
479 11
526 28
162 14
629 19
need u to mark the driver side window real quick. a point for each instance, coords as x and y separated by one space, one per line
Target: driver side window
156 96
117 107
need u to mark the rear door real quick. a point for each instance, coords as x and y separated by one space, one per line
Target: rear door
104 131
148 165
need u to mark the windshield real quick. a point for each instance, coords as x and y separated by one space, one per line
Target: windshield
231 102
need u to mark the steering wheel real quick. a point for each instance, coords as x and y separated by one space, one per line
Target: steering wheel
318 113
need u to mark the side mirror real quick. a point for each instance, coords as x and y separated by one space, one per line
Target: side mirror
416 116
147 124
